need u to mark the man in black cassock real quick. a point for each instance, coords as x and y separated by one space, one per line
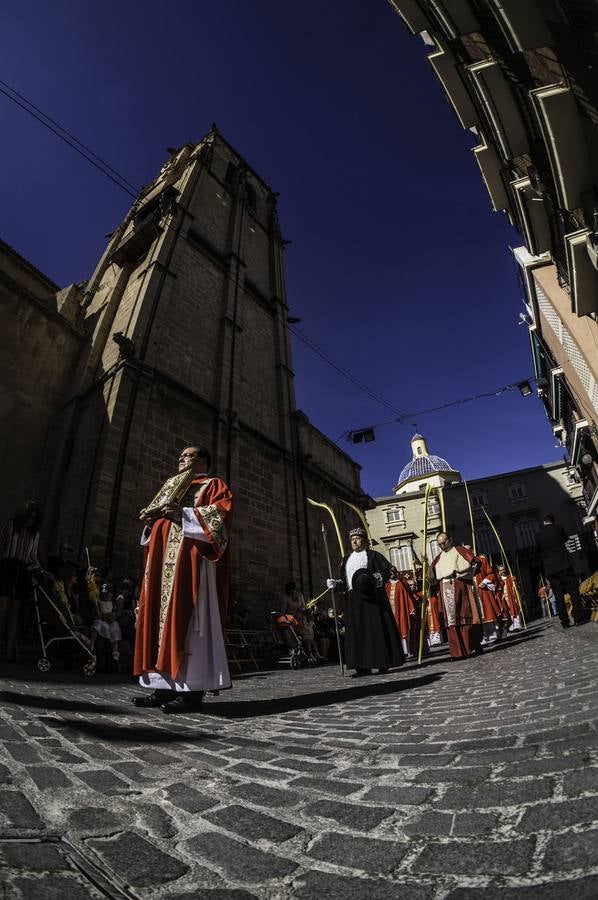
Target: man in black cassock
372 639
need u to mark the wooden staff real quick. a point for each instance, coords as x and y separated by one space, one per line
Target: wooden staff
425 590
502 550
338 636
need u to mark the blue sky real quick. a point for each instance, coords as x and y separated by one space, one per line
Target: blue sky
398 266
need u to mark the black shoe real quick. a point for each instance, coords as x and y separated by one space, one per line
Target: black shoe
155 699
360 673
182 704
566 624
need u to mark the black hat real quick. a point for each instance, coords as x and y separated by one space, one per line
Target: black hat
364 584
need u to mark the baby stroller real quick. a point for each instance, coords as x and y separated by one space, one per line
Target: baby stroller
287 638
51 607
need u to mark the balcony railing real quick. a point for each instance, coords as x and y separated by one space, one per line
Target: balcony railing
562 223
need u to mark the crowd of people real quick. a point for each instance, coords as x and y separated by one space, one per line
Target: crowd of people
172 624
68 597
391 615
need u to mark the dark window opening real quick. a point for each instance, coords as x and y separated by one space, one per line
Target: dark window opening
251 197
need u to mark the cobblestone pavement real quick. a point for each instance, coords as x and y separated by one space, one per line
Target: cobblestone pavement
464 780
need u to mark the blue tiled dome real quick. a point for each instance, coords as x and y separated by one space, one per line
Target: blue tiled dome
422 466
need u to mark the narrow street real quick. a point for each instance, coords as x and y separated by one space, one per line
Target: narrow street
458 780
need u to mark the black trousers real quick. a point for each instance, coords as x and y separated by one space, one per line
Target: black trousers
566 583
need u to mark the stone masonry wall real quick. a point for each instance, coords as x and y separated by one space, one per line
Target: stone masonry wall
39 350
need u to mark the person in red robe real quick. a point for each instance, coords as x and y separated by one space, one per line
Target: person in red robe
488 584
434 621
416 619
402 604
179 641
509 593
453 570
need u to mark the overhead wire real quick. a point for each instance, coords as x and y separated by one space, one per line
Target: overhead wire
345 372
74 143
110 172
414 415
120 181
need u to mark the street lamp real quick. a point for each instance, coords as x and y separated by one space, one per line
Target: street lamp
365 435
525 388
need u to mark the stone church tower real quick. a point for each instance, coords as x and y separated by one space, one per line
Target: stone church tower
187 342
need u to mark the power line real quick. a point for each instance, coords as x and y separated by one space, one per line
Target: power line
120 181
414 415
344 372
400 416
74 143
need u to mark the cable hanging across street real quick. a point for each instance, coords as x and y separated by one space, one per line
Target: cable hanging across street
354 435
405 417
74 143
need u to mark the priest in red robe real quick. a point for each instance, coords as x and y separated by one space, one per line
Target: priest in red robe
402 604
509 594
488 586
434 623
179 641
453 569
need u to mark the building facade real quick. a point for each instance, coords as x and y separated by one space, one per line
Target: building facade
513 502
180 336
522 77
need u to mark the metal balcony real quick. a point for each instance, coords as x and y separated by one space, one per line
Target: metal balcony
445 64
583 277
500 106
565 143
531 216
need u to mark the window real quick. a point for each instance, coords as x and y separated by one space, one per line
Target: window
479 500
251 197
231 173
395 515
517 491
526 533
486 541
402 558
419 451
433 548
433 506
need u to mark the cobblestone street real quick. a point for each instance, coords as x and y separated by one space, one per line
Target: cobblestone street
458 780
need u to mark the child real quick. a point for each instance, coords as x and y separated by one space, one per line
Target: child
105 625
309 639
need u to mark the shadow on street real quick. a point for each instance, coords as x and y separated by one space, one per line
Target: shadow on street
234 709
58 703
